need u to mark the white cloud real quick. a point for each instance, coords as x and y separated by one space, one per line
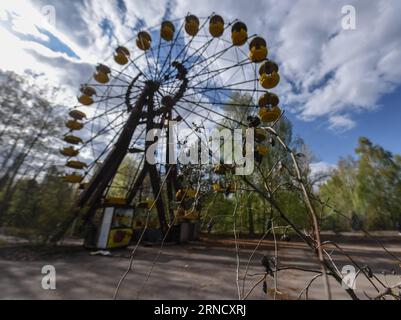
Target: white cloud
341 123
355 68
328 73
320 172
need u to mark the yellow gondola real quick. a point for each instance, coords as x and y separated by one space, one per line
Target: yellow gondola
269 77
232 188
167 31
102 78
269 81
77 115
115 201
191 193
277 111
85 100
121 59
73 139
144 40
217 187
270 115
191 215
239 34
74 125
122 55
179 214
185 193
88 91
73 178
268 67
268 100
145 204
216 26
102 74
258 50
220 169
73 164
180 195
192 25
182 215
69 152
260 135
262 150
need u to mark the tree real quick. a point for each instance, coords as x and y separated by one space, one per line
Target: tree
369 186
272 172
37 207
30 126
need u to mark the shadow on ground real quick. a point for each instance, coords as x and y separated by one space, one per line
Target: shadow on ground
201 270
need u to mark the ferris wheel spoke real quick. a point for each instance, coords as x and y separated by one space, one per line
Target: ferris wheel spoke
207 89
137 68
168 58
200 139
202 116
241 68
214 112
109 98
204 48
218 72
185 49
122 73
216 75
214 56
103 152
111 111
225 104
227 87
103 130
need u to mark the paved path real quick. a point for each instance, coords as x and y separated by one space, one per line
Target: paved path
195 271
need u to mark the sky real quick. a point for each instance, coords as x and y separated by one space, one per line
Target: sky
337 84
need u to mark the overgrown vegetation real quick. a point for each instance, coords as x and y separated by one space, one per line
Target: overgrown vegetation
365 188
33 199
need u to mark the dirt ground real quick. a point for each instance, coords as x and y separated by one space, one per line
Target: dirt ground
196 271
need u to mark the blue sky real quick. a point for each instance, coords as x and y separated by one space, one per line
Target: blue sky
381 126
338 85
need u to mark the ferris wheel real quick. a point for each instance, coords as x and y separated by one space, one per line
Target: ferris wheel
186 70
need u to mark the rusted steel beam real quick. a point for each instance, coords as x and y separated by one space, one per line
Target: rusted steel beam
138 183
106 173
94 192
170 168
154 176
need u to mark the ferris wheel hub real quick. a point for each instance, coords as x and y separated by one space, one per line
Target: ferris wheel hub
153 85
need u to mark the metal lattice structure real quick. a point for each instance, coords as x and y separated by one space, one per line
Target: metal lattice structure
186 70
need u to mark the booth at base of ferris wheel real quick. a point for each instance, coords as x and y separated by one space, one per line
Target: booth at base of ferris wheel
117 225
111 228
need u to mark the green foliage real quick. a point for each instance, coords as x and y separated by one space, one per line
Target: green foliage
124 178
33 199
254 214
368 187
37 207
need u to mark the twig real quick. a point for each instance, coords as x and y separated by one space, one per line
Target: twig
306 289
140 240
